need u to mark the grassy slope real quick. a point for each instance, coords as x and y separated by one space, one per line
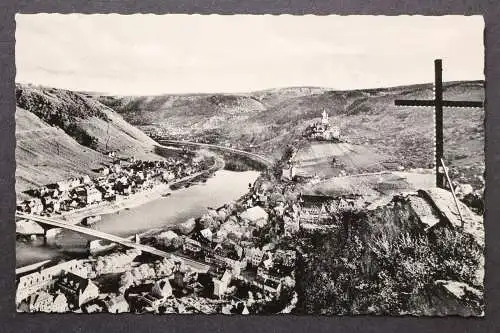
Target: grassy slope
269 120
46 153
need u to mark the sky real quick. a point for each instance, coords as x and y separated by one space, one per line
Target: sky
146 54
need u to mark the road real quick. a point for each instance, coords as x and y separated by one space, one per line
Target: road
258 158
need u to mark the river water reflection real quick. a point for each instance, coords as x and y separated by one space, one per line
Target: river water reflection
224 187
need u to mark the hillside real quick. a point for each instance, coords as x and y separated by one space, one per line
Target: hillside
61 134
266 121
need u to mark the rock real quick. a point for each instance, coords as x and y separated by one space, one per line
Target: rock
425 212
464 189
459 289
443 200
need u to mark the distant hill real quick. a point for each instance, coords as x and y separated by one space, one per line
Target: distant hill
266 121
61 134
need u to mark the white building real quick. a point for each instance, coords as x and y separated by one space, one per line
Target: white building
31 283
256 216
220 286
162 289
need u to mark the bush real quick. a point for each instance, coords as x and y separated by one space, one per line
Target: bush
375 263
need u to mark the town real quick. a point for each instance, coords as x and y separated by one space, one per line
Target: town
123 178
247 266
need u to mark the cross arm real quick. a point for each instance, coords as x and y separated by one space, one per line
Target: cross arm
451 104
414 102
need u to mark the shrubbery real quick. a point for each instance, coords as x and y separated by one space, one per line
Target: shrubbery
357 270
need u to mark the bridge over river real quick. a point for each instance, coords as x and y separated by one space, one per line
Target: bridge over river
195 266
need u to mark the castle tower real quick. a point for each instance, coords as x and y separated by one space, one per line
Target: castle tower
324 119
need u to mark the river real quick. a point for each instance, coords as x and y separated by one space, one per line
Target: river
225 186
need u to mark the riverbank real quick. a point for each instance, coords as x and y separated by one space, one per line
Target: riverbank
223 187
136 199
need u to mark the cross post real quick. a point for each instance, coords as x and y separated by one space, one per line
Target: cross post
438 100
438 103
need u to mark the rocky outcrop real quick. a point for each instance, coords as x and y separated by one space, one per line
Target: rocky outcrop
443 202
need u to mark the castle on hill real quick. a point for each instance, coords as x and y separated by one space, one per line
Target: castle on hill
323 130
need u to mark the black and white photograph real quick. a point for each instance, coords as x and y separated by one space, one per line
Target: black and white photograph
250 164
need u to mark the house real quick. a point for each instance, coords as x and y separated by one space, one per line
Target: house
207 234
73 204
77 289
38 302
168 176
255 256
44 302
126 190
104 171
74 182
88 194
56 193
220 236
290 226
220 285
116 168
59 303
64 185
272 287
35 206
162 289
191 246
44 191
256 216
285 258
22 206
52 205
86 180
229 255
45 278
107 193
314 208
93 308
116 304
93 194
267 260
289 172
122 186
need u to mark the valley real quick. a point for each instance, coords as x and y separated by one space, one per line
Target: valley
317 203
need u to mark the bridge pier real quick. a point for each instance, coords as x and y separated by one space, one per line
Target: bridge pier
45 236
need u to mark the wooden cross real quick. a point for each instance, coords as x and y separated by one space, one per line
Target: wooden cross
438 103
